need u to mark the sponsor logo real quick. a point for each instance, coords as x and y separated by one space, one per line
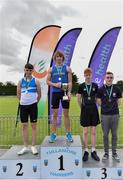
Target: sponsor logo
40 69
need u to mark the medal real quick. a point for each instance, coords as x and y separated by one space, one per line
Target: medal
27 85
26 91
89 98
59 71
109 100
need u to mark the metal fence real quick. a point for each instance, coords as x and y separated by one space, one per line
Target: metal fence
8 137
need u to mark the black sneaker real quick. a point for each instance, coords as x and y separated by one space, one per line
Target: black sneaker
95 156
85 156
116 157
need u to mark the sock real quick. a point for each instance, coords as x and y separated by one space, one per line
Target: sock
93 149
86 149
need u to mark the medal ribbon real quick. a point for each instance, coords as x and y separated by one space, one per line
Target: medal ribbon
88 89
27 83
59 70
109 91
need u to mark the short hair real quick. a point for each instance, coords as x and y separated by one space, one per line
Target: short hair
29 66
88 71
109 72
60 54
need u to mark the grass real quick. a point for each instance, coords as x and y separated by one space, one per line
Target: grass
8 110
9 105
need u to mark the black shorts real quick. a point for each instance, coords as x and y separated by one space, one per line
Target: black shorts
28 111
89 116
56 97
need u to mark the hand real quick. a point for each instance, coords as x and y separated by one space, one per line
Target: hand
69 96
58 85
38 100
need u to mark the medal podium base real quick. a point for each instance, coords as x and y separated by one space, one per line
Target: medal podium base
26 166
62 157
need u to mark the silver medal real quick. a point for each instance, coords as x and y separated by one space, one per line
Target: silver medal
89 98
59 78
26 91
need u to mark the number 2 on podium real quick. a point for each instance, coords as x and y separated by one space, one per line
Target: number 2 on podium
20 168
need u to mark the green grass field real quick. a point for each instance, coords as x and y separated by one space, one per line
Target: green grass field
9 105
8 111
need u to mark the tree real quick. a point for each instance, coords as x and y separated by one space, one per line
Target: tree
9 84
1 84
75 83
120 85
9 88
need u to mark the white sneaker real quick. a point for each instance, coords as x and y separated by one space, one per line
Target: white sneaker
34 150
23 151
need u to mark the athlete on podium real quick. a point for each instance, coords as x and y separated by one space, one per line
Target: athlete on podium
109 98
89 117
28 93
60 78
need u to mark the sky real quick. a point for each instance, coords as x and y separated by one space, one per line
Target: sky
20 20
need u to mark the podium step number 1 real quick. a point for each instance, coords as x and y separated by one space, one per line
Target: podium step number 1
61 160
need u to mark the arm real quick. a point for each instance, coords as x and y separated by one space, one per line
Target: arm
38 90
98 101
19 90
119 101
50 83
119 96
98 97
79 99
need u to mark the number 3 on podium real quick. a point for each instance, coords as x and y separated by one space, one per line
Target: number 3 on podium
104 173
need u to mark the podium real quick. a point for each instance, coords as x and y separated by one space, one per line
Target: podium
59 160
13 166
62 159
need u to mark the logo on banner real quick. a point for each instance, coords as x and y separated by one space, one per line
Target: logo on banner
40 69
